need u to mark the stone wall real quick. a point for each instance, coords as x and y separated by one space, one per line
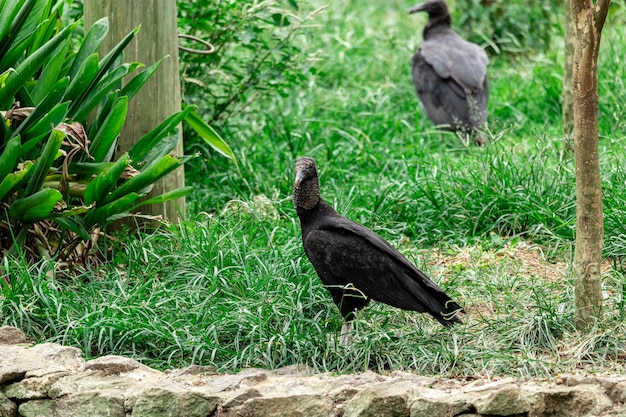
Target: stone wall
50 380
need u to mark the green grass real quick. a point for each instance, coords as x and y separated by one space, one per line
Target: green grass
231 286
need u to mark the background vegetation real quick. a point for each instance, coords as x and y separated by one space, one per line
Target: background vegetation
493 225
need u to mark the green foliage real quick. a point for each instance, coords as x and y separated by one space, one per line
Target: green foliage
55 165
512 27
492 225
217 291
257 53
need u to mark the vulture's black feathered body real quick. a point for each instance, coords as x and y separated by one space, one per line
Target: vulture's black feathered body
355 264
450 73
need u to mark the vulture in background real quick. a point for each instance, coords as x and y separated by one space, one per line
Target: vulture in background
356 265
450 74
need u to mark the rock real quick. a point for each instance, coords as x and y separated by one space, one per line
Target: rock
194 370
381 400
615 388
7 407
292 406
503 401
294 370
239 399
59 356
108 403
567 401
16 361
50 380
90 381
12 336
171 402
112 364
617 392
38 408
33 388
438 404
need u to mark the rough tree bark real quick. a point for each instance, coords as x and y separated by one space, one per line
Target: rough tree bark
567 104
589 18
160 97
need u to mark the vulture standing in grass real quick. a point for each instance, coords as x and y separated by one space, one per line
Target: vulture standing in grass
355 264
450 73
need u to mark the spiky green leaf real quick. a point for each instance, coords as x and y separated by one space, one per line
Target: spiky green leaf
143 181
90 44
162 198
103 143
43 164
101 215
145 146
101 185
11 182
209 135
72 225
27 68
35 207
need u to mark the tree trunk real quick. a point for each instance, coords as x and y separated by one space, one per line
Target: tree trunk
588 22
567 101
160 96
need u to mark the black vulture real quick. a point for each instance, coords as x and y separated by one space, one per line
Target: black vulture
355 264
450 73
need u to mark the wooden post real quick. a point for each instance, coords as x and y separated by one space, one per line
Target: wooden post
160 96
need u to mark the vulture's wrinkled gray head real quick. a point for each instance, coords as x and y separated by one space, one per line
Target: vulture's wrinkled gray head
306 188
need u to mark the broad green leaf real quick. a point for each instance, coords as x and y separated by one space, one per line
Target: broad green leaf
35 207
85 77
144 180
80 110
151 139
103 112
53 98
47 26
108 61
162 198
101 185
5 132
161 148
100 215
4 76
116 52
49 75
14 25
90 44
14 180
209 135
72 225
27 68
89 168
134 85
49 121
43 164
103 143
9 156
8 11
36 20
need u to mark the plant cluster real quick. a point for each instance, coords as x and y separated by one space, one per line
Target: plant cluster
256 53
60 181
511 27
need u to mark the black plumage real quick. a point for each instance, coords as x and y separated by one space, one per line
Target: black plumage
355 264
450 73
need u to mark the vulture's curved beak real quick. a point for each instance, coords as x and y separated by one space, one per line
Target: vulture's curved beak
418 8
299 178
